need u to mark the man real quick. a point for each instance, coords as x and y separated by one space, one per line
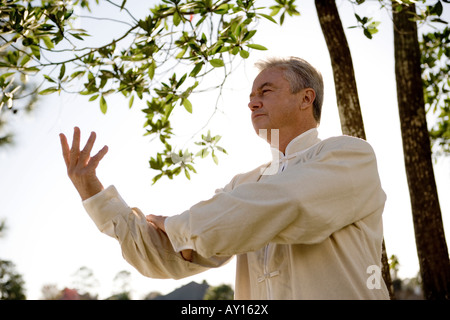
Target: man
306 226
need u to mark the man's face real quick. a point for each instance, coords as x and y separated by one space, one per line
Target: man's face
272 104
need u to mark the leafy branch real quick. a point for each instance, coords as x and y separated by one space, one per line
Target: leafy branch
160 59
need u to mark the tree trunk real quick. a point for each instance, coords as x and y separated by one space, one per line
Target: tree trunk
346 90
343 73
428 228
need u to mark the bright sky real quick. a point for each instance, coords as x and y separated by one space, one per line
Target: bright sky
50 236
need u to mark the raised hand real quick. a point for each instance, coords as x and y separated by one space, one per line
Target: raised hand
81 166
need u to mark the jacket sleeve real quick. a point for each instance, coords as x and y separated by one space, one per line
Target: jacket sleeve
146 248
326 189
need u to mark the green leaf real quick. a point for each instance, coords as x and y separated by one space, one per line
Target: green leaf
367 33
221 149
36 51
244 54
223 9
248 35
75 36
48 43
186 172
103 105
187 105
95 96
62 71
256 46
202 153
49 79
216 160
196 69
48 91
176 18
151 70
25 59
180 82
156 178
77 74
275 10
282 18
217 63
130 102
181 53
438 8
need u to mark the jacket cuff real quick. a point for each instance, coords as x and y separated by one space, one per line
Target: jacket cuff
105 206
178 231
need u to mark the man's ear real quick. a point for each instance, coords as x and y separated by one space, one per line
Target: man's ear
308 97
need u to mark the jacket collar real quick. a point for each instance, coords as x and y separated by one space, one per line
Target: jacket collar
297 145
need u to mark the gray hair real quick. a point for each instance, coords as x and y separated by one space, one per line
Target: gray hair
300 75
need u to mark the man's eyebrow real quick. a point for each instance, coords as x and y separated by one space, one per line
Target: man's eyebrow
265 84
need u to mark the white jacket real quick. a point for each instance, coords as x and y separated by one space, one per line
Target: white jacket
310 230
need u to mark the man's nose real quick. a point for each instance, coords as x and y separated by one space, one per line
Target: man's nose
255 104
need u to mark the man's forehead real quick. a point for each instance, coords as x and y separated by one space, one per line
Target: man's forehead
271 75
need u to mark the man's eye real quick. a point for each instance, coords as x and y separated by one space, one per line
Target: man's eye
265 91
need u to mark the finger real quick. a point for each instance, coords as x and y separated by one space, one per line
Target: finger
150 221
75 150
86 152
94 161
151 217
157 220
65 149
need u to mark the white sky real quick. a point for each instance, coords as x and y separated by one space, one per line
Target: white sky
50 236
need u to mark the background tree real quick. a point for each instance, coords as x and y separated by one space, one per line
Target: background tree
221 292
12 105
122 286
84 282
11 282
50 292
428 228
341 62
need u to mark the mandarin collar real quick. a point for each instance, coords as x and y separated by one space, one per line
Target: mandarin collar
300 143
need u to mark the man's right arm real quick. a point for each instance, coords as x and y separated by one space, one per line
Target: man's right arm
144 246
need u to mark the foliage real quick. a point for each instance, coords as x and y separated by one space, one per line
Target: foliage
120 296
435 62
122 286
221 292
84 281
11 282
436 83
195 37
